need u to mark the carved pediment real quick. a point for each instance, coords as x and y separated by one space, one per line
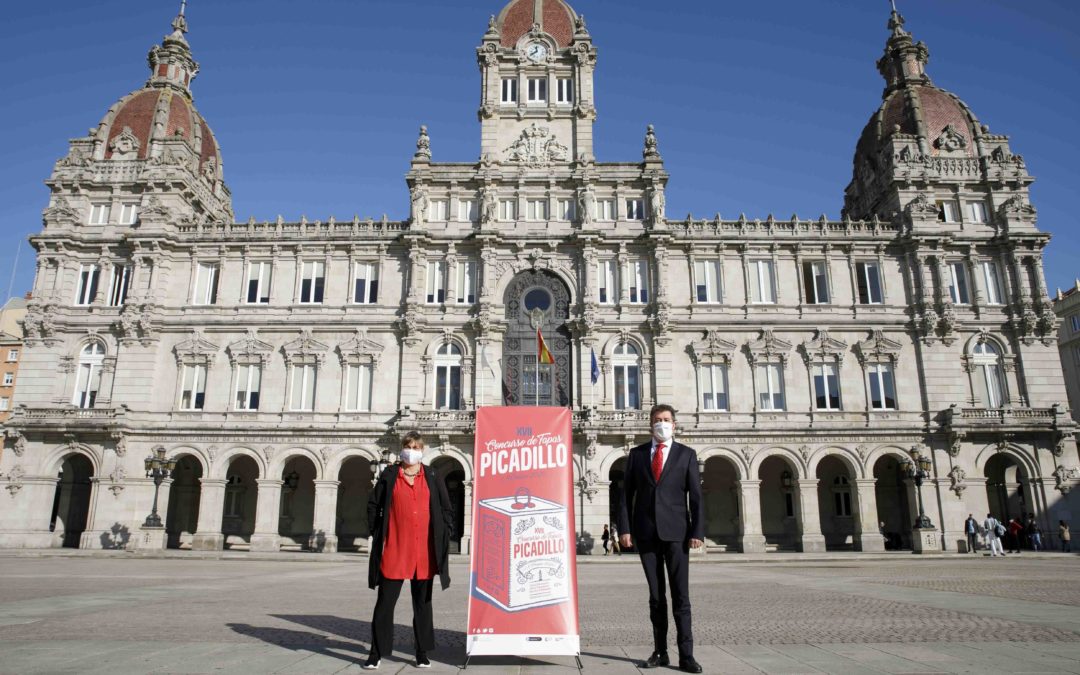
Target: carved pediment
824 347
768 348
196 349
921 207
878 348
125 146
537 147
61 211
951 140
304 346
360 347
712 349
249 349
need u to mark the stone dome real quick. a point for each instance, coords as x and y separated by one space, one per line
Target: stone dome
924 111
556 18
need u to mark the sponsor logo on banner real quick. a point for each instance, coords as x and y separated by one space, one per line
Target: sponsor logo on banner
523 593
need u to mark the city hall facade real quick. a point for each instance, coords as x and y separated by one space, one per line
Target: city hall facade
278 363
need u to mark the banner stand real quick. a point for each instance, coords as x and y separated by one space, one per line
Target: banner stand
523 598
580 665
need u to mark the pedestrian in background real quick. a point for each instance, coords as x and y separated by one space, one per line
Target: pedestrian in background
1015 530
971 529
615 548
606 538
1065 536
1034 533
994 531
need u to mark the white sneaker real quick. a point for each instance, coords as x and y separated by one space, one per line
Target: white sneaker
372 665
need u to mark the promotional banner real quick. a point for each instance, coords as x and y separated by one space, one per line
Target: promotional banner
523 581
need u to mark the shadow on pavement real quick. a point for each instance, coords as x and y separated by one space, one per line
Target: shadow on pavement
449 644
312 642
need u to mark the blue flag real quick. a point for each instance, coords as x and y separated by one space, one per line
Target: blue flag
595 371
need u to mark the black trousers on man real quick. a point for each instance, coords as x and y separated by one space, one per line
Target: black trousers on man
382 623
673 558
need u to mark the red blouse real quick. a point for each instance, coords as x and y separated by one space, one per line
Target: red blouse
408 552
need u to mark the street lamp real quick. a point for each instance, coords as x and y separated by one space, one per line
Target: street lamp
159 468
785 480
918 468
379 465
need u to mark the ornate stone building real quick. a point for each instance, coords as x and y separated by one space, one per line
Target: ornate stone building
278 362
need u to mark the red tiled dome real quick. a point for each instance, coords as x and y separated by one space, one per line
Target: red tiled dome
555 17
918 109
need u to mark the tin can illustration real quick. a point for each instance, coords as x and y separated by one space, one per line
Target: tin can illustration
524 551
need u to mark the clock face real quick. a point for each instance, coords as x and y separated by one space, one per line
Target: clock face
536 52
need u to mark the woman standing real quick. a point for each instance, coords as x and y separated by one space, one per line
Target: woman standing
411 520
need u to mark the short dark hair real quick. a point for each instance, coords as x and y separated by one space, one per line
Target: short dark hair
659 408
413 437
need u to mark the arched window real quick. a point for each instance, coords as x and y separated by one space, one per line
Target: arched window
989 377
627 366
448 377
88 380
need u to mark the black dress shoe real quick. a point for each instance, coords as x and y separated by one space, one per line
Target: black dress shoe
689 665
657 659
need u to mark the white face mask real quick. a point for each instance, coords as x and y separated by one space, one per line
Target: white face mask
411 456
663 431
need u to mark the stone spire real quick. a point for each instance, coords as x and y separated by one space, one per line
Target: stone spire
171 63
904 61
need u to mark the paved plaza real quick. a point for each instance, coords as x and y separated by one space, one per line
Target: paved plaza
781 614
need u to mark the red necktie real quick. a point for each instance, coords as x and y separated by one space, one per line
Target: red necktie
658 461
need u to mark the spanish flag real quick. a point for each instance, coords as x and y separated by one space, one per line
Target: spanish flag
542 353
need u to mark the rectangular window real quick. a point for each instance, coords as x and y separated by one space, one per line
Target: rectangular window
468 211
358 388
366 283
948 211
958 284
609 285
770 386
993 283
762 289
258 283
538 90
436 282
567 210
714 387
302 398
313 283
1075 318
816 283
507 210
193 393
627 388
448 387
88 285
869 280
206 285
509 90
826 387
13 355
537 209
565 91
99 214
87 384
635 209
438 210
248 384
9 379
639 282
843 502
882 387
707 281
5 403
976 212
605 209
466 282
129 214
118 285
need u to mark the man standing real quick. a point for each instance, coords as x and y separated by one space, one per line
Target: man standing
662 514
994 530
971 529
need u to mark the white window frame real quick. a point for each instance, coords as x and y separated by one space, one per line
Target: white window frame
260 272
564 91
468 210
959 284
436 282
87 288
991 374
448 362
762 279
826 374
368 272
192 387
626 377
100 213
248 386
465 282
977 212
509 92
708 275
605 210
992 281
312 272
879 378
129 213
205 290
862 269
305 378
769 378
635 209
816 272
88 376
5 403
639 282
607 288
507 210
12 355
9 379
948 211
565 210
119 284
537 90
358 387
713 381
536 210
439 210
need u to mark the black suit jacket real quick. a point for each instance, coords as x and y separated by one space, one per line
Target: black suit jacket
670 509
439 531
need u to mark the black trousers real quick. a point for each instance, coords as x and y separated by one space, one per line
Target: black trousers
382 622
672 557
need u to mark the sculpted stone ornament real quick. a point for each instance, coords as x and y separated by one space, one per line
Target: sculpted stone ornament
587 205
423 144
950 140
61 211
537 148
651 150
957 476
419 199
1063 478
14 479
657 204
125 145
155 210
1016 207
922 208
489 205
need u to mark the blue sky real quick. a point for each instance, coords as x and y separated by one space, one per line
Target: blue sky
757 105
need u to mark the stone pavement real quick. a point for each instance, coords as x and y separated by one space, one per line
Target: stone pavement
838 614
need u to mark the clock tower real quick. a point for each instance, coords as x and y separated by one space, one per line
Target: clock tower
536 102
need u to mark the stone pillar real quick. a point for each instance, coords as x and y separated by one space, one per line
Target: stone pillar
324 536
868 536
466 536
811 539
266 536
208 536
751 540
28 503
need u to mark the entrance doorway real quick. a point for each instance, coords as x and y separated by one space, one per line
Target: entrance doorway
71 505
779 505
296 515
891 489
721 491
241 500
182 518
355 478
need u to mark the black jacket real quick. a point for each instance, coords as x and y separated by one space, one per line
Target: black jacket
671 509
440 530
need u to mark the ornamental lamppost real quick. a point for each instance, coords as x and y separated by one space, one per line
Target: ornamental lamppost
159 468
918 468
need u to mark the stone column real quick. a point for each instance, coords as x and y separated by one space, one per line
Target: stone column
324 536
810 517
751 540
208 536
868 537
28 503
266 536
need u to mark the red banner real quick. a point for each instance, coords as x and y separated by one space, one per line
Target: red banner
523 581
